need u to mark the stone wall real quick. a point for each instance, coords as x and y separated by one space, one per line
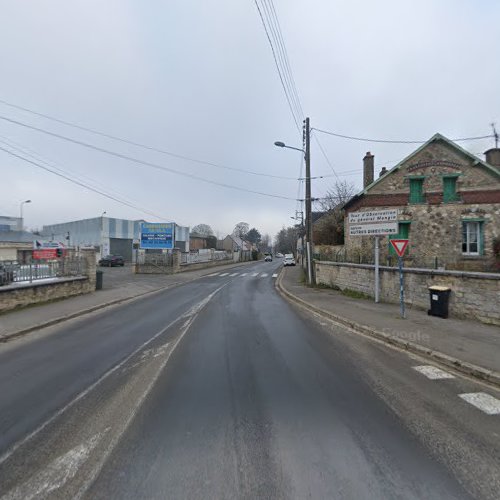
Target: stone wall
22 295
473 295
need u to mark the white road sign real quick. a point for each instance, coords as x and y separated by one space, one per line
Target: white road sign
373 229
373 216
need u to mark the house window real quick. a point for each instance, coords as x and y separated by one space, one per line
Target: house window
417 191
403 234
472 238
450 189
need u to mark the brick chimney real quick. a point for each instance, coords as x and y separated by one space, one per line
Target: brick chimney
382 172
368 169
493 157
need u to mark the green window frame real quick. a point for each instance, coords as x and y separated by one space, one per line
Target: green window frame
403 234
472 237
417 190
450 189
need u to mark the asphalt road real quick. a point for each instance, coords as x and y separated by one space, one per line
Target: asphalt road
222 389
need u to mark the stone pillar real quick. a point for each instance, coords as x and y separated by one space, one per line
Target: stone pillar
176 260
88 255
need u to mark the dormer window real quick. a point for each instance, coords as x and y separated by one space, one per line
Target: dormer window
417 190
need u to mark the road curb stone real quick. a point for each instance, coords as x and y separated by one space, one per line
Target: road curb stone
438 357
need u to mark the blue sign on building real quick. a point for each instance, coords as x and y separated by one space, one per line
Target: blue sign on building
157 235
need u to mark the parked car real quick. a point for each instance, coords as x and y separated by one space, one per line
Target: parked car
279 255
268 258
112 260
289 260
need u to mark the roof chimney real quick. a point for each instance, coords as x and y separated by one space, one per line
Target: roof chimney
368 169
382 172
493 157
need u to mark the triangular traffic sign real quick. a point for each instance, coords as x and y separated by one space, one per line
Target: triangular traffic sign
399 246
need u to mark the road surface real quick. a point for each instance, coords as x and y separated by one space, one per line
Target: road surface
220 388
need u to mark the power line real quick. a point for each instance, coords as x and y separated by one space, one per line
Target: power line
390 141
325 156
80 177
140 145
142 162
277 66
74 181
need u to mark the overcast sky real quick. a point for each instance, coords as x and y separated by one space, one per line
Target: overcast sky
197 78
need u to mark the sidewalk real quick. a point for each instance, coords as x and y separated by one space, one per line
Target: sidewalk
469 346
19 322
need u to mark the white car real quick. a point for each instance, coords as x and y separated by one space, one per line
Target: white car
279 255
289 260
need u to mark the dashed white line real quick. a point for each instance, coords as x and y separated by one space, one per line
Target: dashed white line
275 275
255 274
432 372
213 274
484 402
224 274
244 274
264 275
234 274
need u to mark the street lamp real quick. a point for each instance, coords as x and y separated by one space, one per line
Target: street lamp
21 212
307 158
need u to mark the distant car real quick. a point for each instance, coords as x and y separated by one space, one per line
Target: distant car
289 260
279 255
112 260
268 258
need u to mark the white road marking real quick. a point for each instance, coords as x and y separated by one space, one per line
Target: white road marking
56 473
188 314
432 372
275 275
486 403
255 274
264 275
213 274
234 274
244 274
224 274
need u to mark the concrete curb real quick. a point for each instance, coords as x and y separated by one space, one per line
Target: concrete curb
19 333
444 360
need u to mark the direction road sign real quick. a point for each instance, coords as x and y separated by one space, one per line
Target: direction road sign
376 229
399 246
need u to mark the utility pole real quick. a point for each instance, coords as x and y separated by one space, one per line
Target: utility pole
309 232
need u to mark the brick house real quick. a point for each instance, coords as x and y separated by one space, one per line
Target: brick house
448 203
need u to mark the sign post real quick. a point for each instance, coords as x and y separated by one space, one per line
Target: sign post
374 223
400 248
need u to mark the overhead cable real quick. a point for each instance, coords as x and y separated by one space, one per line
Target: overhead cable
141 162
140 145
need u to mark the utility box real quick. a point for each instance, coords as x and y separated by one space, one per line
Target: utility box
440 297
98 279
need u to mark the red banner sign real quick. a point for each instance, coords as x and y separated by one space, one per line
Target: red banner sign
45 253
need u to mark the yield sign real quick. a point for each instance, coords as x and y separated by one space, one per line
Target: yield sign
399 246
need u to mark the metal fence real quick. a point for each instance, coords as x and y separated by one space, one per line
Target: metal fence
13 272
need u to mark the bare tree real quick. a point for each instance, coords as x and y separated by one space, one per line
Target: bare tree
241 229
341 192
202 230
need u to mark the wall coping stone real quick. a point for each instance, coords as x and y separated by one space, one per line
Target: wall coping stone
415 270
23 285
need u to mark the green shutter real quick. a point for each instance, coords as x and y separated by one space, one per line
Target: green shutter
449 189
416 191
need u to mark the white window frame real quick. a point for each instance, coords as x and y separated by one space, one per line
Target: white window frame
468 231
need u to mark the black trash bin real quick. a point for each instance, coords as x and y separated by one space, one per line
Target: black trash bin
439 296
98 280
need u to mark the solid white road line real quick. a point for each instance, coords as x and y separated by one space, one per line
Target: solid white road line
234 274
264 275
255 274
432 372
275 275
224 274
486 403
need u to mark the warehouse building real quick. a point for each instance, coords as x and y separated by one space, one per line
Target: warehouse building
107 235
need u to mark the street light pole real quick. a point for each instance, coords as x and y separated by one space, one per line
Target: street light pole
21 212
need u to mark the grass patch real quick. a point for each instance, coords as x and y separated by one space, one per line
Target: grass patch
354 294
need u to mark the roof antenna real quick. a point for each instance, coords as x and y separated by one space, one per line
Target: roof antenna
495 134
